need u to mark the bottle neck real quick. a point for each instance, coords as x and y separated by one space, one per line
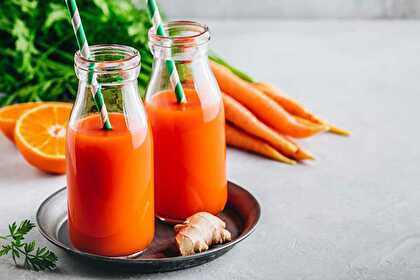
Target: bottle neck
108 64
183 41
180 53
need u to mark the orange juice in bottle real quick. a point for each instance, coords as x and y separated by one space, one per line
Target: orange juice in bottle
189 138
110 172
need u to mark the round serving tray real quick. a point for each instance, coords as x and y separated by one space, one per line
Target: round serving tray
241 215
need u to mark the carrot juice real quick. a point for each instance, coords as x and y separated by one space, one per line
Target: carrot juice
110 186
190 154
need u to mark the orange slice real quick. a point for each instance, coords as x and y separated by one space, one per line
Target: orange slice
10 114
40 135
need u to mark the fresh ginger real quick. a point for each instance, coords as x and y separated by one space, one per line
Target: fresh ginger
200 231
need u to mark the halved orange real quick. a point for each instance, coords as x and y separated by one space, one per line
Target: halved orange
10 114
40 135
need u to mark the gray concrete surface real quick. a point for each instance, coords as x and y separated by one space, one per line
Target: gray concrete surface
352 214
366 9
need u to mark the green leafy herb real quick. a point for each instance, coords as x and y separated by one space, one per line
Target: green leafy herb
37 45
35 258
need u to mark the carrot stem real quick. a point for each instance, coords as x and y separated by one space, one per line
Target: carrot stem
244 76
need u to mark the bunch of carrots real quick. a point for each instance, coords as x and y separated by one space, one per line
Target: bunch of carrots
260 118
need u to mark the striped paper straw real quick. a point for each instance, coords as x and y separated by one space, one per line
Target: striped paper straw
84 50
170 64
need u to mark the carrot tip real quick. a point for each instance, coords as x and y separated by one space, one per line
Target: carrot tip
276 155
310 157
304 155
318 128
339 131
289 161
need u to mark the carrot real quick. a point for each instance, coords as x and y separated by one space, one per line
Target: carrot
339 131
301 153
294 108
242 140
241 117
289 104
331 128
261 105
307 122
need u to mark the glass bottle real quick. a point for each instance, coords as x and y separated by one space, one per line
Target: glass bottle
189 138
110 172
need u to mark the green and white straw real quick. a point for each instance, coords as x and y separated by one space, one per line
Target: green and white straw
82 42
170 64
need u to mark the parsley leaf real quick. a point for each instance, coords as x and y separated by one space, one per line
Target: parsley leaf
35 258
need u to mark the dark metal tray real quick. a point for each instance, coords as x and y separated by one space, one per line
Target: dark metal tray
241 215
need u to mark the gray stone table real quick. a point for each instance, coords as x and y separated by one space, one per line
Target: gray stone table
352 214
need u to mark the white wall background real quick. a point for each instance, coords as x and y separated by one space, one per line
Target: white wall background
371 9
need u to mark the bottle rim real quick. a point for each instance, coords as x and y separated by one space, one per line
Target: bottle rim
108 58
194 34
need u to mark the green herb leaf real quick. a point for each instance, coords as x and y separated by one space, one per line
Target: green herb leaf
37 44
27 6
58 13
5 250
34 257
103 5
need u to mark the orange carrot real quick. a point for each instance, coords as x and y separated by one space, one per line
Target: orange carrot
294 108
301 153
289 104
240 139
339 131
307 122
261 105
331 128
241 117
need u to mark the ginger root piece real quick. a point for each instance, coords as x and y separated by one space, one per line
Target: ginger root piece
200 231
